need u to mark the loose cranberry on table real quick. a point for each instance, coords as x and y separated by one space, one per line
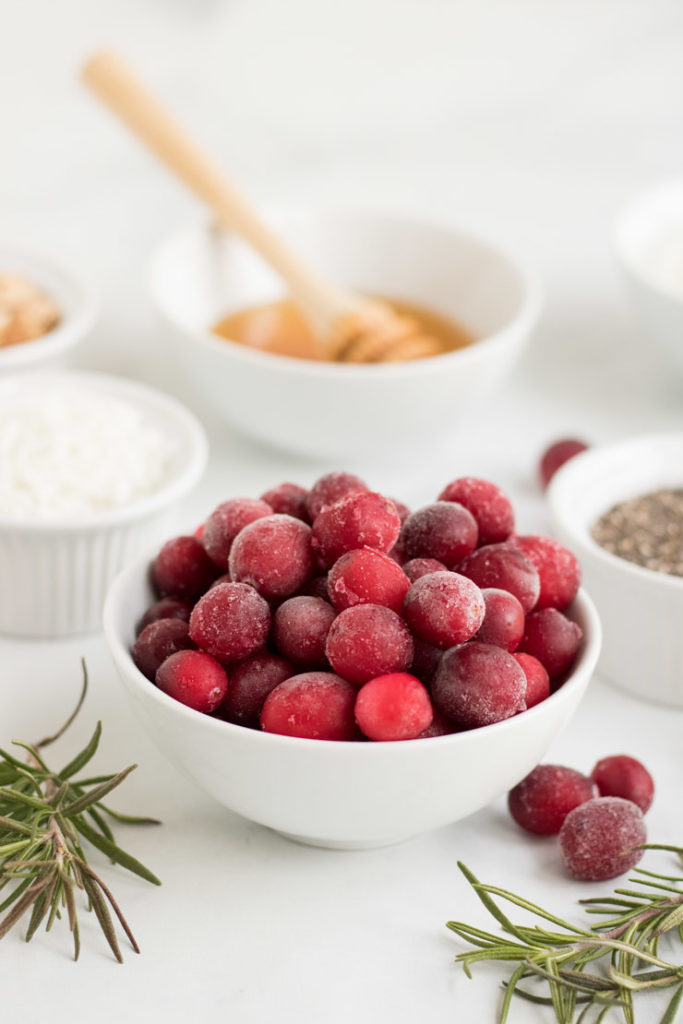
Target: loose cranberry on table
368 640
365 576
626 777
165 608
556 455
193 678
226 521
537 679
417 567
329 489
230 621
552 638
182 569
599 839
300 628
444 531
273 554
393 707
157 642
444 609
478 684
312 705
504 567
251 681
503 623
490 507
541 801
288 500
363 519
558 570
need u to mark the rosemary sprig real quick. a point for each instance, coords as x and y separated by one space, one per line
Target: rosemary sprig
44 817
583 973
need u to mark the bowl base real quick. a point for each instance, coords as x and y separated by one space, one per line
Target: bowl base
342 844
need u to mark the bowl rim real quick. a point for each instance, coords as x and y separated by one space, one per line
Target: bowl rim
626 253
190 435
584 666
531 300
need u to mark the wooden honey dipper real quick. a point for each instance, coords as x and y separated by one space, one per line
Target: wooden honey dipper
352 329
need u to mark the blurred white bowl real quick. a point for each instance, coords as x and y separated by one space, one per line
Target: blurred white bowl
76 303
55 574
641 610
342 795
327 409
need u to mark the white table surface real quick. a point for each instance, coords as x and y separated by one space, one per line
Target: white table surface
530 121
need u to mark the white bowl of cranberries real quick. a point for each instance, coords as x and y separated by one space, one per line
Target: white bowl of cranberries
334 666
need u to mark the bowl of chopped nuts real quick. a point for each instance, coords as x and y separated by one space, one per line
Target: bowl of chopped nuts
620 508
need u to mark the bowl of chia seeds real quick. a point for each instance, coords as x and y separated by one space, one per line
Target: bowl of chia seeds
620 508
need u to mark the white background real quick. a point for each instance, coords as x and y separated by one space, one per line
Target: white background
531 121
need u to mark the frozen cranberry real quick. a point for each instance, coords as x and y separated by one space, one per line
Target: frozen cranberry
313 705
287 500
490 507
393 707
365 576
542 800
368 640
505 567
598 839
230 621
362 519
199 532
445 531
623 776
503 623
225 522
397 554
273 555
166 608
193 678
556 455
157 642
316 587
558 570
537 679
403 510
251 681
552 638
478 684
418 567
182 568
300 629
441 726
425 661
444 608
329 489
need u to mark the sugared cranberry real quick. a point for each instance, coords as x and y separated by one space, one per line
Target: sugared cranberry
598 839
362 519
505 567
542 800
556 455
393 707
441 726
365 576
552 638
329 489
226 521
444 608
445 531
193 678
558 570
490 507
537 679
418 567
230 621
623 776
159 641
313 705
425 661
272 554
300 628
288 500
165 608
182 569
503 623
368 640
251 681
478 684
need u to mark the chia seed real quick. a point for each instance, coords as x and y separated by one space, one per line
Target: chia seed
647 531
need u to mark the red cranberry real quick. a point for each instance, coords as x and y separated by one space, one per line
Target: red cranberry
425 661
623 776
313 705
598 839
367 577
251 681
368 640
362 519
556 455
478 684
505 567
490 507
503 623
552 638
542 800
225 522
418 567
558 570
273 555
393 707
166 608
444 608
300 629
441 726
403 510
182 569
445 531
157 642
316 587
193 678
230 621
288 500
329 489
537 679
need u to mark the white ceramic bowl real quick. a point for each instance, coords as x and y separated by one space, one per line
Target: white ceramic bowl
641 610
649 246
55 575
75 300
343 795
326 409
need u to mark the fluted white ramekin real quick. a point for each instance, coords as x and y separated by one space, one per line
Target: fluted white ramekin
54 575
